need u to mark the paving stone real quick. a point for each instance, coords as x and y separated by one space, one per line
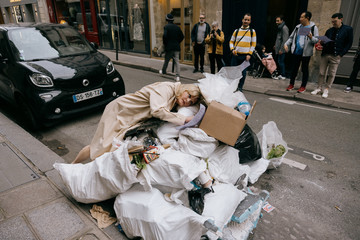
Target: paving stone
56 221
15 228
23 198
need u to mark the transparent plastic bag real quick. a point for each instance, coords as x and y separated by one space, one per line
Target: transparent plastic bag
269 137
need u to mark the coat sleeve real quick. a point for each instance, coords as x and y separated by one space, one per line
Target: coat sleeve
220 38
315 38
181 36
349 41
285 37
208 39
232 41
253 42
291 38
159 102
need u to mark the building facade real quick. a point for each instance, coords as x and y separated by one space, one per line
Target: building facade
137 25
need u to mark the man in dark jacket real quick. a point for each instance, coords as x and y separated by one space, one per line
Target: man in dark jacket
198 35
340 38
172 38
281 38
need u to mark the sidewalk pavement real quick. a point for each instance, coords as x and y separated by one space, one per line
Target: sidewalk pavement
34 202
337 98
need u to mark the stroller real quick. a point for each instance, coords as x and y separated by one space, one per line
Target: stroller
263 61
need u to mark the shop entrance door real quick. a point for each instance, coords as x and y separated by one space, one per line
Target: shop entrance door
89 20
183 17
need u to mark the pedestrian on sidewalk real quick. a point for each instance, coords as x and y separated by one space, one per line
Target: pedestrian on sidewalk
355 71
281 38
215 49
302 41
340 38
198 35
242 45
172 38
128 111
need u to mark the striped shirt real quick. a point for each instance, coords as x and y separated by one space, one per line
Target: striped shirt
247 43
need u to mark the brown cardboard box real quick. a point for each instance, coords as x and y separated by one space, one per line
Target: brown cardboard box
223 123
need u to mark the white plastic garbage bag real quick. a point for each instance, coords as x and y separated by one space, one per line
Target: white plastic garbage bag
257 168
223 165
167 132
268 137
102 179
222 86
221 204
196 142
148 215
172 169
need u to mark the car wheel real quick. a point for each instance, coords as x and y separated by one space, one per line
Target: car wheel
28 120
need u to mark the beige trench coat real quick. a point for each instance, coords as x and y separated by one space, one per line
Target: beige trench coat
127 111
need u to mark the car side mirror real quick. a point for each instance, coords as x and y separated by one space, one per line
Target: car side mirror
94 45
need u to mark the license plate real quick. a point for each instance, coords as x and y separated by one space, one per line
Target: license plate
87 95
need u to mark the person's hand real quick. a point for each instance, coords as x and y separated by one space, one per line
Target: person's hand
286 48
310 35
234 52
188 119
248 57
193 43
280 52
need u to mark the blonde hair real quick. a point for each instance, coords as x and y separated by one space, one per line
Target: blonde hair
192 89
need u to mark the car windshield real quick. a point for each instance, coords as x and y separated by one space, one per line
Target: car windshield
52 42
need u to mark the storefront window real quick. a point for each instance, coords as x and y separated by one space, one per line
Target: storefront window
108 23
136 15
18 14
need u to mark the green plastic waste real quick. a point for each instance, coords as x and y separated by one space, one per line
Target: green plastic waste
276 152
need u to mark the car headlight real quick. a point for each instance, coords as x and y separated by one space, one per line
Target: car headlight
110 68
41 80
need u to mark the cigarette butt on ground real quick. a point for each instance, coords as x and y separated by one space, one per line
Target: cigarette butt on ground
338 208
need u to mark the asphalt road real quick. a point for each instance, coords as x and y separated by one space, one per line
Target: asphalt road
319 202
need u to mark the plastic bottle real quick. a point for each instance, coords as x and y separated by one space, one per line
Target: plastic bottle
244 107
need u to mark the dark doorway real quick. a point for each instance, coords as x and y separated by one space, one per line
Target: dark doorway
263 19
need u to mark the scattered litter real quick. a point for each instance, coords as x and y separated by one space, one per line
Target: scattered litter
268 208
338 208
103 217
295 164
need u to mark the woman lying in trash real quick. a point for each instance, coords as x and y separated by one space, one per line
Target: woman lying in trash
126 112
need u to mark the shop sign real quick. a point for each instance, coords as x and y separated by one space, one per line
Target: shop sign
12 1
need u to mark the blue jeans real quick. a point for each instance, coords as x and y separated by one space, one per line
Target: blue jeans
236 61
280 59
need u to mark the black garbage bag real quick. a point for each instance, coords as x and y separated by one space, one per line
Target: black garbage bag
196 199
248 146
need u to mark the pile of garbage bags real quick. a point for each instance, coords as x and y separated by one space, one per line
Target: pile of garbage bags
153 201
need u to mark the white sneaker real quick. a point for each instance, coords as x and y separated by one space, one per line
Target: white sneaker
177 78
316 91
281 77
325 93
160 71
